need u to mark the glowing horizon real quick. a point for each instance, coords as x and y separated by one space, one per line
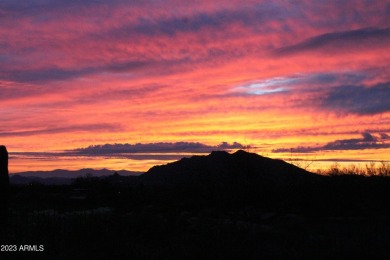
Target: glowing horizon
303 80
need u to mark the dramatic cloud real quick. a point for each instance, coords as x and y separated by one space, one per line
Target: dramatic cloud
368 141
176 76
342 41
140 156
178 147
43 75
57 130
359 99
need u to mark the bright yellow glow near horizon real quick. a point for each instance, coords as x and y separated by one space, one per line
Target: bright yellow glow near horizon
272 76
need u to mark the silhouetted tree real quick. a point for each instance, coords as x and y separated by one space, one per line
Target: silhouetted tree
4 184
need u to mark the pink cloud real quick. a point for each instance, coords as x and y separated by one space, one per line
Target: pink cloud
202 71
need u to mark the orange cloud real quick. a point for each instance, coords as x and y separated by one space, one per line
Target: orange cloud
271 74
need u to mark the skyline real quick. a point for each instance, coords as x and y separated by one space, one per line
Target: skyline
129 85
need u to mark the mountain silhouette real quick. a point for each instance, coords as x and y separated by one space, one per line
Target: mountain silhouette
25 180
220 167
60 173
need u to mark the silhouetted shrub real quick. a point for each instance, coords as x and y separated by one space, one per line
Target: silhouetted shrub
369 169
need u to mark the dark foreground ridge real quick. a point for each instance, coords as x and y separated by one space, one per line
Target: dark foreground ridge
219 206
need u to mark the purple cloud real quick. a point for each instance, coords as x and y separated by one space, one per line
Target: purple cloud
191 147
368 141
358 99
341 41
56 130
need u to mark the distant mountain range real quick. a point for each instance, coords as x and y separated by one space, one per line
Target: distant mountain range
63 177
218 168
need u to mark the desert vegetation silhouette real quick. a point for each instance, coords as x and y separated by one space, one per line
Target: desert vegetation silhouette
221 206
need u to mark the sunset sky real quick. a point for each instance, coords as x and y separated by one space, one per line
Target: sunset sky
130 84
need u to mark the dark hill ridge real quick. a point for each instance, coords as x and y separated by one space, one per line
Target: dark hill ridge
222 167
217 168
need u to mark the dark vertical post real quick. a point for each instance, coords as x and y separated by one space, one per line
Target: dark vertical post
4 185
